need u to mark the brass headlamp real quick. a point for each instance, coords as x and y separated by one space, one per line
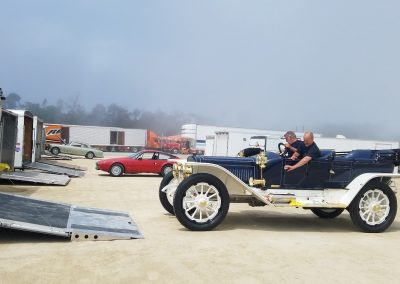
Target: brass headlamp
181 171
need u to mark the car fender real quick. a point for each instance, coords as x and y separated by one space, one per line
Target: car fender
234 185
359 182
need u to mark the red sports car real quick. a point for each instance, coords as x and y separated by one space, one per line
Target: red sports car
146 161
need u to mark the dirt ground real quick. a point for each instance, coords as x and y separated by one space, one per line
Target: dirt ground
252 245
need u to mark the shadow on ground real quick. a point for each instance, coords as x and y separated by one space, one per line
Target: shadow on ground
20 189
132 175
17 236
283 222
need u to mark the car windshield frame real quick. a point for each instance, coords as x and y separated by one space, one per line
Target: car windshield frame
135 155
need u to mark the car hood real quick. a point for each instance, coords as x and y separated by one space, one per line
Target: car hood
230 161
114 160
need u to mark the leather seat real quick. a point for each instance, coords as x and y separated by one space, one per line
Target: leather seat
357 155
326 155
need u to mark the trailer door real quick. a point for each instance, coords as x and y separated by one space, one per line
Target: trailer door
221 143
39 146
65 134
28 133
8 138
121 138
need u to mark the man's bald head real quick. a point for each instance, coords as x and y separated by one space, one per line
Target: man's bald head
308 138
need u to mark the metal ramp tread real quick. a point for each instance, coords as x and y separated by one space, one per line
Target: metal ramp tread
54 169
56 157
35 177
70 221
64 165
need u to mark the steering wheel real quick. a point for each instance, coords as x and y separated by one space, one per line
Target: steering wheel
282 149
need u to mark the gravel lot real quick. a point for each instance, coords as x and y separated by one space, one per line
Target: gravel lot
252 245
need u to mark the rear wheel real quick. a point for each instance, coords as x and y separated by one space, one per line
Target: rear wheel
327 213
201 202
166 198
166 170
55 150
116 170
89 155
374 208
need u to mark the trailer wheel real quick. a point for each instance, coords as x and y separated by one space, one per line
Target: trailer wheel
166 198
175 151
89 155
166 170
55 150
116 170
374 208
327 213
135 150
201 202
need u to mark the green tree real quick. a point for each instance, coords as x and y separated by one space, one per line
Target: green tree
13 101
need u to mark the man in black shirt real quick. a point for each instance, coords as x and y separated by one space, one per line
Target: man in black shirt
306 152
292 145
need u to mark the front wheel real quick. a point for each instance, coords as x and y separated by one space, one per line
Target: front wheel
327 213
116 170
374 208
201 202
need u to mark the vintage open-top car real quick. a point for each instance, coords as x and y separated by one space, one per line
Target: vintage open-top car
200 189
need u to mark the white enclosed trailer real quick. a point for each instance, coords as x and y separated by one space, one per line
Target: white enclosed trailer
135 138
16 142
231 143
105 137
198 133
92 135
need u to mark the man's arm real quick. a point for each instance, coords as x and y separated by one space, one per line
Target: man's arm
301 163
295 156
293 149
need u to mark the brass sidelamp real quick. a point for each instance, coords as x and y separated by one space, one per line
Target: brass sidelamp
261 161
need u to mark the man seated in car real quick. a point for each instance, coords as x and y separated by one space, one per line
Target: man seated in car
292 143
306 152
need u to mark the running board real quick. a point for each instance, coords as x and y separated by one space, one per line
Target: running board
65 220
54 169
35 177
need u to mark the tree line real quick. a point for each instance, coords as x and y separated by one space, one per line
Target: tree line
113 115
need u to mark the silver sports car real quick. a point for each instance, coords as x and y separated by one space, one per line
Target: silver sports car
76 148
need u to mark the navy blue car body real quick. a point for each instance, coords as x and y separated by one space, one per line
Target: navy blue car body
331 170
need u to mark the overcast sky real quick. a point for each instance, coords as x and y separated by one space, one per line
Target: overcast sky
322 65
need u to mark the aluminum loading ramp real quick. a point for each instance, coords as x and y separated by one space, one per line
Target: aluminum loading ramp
54 169
65 220
35 177
64 165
